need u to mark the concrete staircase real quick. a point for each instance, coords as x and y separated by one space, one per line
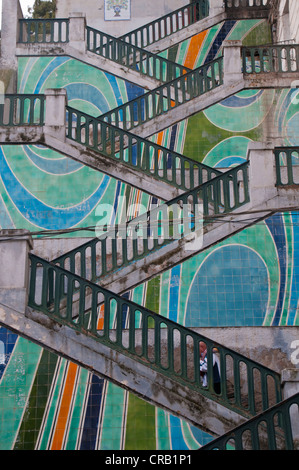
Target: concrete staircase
242 197
153 357
64 310
102 142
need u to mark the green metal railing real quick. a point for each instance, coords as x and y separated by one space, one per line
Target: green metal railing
235 5
22 109
286 161
168 24
148 233
167 97
138 153
44 31
149 338
133 57
271 58
273 429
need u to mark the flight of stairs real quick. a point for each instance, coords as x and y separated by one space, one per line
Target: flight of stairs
83 293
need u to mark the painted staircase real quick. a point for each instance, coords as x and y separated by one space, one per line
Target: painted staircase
143 352
120 135
87 321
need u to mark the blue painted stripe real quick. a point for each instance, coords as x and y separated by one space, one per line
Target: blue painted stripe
9 340
241 101
294 299
5 220
87 93
40 214
57 62
276 227
174 291
177 437
89 434
57 166
221 36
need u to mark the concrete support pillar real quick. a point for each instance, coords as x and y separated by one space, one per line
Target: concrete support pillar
216 7
232 62
14 272
77 31
56 101
262 175
290 384
11 13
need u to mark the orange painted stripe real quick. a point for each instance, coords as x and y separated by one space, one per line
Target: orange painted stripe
100 324
194 46
138 196
160 140
64 407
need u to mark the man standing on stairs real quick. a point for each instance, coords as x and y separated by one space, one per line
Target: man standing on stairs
203 364
204 368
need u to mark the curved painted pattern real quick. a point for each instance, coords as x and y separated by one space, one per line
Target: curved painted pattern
67 406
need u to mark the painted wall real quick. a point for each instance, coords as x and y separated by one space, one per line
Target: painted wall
251 279
101 15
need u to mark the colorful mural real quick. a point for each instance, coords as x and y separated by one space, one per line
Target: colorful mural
250 279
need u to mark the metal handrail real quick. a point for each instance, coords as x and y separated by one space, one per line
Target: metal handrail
138 153
168 24
176 219
272 429
121 146
281 58
284 158
248 4
44 30
22 109
167 96
133 57
154 340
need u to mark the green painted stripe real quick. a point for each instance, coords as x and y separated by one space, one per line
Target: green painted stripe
33 415
188 436
54 402
15 389
162 430
113 418
140 431
289 266
74 428
172 53
141 420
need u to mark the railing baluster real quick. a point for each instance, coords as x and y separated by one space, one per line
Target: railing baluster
22 110
265 59
43 31
288 167
132 56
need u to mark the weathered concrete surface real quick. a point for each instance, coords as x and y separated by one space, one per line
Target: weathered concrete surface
194 106
111 167
14 271
215 17
21 135
38 135
53 135
122 370
271 346
11 13
265 200
176 252
89 58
